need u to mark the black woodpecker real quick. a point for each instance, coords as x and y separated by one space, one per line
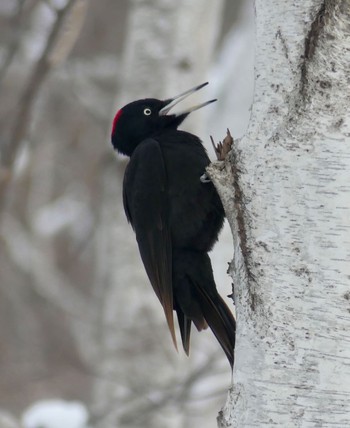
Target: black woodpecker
176 217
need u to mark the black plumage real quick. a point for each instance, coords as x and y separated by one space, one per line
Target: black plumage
175 216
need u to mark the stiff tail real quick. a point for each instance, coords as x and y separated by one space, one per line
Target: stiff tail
197 300
185 329
220 320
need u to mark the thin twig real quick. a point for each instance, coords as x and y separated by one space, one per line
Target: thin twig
14 43
25 106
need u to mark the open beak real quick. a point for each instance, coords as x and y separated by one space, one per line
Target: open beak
169 104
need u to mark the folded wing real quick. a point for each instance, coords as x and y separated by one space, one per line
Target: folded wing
146 204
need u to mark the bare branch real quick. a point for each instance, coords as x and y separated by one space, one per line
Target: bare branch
25 106
14 43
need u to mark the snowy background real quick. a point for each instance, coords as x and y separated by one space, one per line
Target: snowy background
83 339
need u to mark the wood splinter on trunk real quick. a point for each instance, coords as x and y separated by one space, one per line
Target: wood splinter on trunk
222 148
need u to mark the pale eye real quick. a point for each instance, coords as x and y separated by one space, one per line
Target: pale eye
147 111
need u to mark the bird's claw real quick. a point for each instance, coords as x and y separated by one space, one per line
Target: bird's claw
204 178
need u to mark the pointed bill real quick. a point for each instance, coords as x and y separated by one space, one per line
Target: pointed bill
173 101
194 108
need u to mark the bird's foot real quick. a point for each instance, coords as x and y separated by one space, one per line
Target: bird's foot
204 178
223 148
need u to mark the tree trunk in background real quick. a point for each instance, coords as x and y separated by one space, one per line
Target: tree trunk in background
287 196
168 49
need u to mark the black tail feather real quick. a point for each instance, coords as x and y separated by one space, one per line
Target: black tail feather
185 329
220 320
197 300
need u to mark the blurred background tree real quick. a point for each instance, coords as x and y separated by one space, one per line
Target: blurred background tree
78 319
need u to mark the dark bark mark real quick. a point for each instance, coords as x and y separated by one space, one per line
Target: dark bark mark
241 228
255 300
311 41
239 207
284 43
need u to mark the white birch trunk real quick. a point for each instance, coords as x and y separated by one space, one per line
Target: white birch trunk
287 195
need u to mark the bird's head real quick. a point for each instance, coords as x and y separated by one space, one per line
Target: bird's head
144 118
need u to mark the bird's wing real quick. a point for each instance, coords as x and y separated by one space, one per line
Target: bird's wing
146 206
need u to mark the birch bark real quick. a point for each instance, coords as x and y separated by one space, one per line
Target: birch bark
287 196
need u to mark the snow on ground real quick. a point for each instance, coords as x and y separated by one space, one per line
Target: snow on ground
55 414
